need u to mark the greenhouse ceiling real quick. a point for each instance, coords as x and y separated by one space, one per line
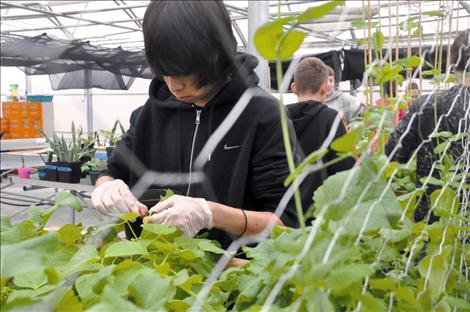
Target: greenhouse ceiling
119 22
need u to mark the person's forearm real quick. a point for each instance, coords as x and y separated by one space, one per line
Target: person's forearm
103 179
232 220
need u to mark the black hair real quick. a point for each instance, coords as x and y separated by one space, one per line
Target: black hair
189 37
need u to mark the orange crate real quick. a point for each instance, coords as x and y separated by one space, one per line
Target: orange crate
21 119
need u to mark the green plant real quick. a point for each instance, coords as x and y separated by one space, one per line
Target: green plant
88 166
362 251
75 269
111 136
69 152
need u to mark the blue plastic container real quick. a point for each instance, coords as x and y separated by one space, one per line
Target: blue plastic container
39 98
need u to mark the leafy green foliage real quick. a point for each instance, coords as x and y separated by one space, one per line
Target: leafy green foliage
273 41
111 136
363 252
69 151
158 271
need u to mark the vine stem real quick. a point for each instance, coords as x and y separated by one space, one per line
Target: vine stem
287 143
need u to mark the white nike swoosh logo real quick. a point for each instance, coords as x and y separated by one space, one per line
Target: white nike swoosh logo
227 148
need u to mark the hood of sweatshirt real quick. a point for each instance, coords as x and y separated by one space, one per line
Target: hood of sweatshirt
242 77
302 113
333 96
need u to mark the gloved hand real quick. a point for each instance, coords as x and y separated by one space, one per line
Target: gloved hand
115 197
186 213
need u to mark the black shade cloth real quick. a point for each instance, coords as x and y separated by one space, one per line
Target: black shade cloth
74 64
354 67
330 58
70 62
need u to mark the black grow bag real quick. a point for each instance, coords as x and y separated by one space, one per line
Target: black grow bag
69 172
51 171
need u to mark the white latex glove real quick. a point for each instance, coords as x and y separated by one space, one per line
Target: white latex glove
186 213
115 197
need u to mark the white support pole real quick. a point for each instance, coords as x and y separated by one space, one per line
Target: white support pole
89 103
27 86
258 14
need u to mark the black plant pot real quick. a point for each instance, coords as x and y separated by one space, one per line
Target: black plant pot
42 173
94 175
51 171
150 198
69 172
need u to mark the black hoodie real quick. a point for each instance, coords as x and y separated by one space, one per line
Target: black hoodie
247 168
312 123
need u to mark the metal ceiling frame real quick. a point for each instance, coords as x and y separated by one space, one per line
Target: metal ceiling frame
236 13
11 5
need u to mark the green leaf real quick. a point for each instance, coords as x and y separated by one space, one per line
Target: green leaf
457 303
84 286
127 273
128 216
361 23
438 271
18 233
431 180
367 193
152 231
70 234
28 255
124 249
207 245
441 147
178 305
168 194
445 202
372 304
5 223
361 41
395 236
406 294
349 274
382 283
347 142
291 43
69 303
444 78
412 61
68 200
435 14
442 134
32 280
31 293
111 301
151 292
52 275
378 40
319 302
87 254
317 12
267 36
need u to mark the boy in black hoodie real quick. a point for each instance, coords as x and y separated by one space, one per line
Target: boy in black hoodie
198 80
313 121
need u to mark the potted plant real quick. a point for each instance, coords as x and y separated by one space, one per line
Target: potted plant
68 155
111 138
93 169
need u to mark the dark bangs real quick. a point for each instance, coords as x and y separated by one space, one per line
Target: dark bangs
189 37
